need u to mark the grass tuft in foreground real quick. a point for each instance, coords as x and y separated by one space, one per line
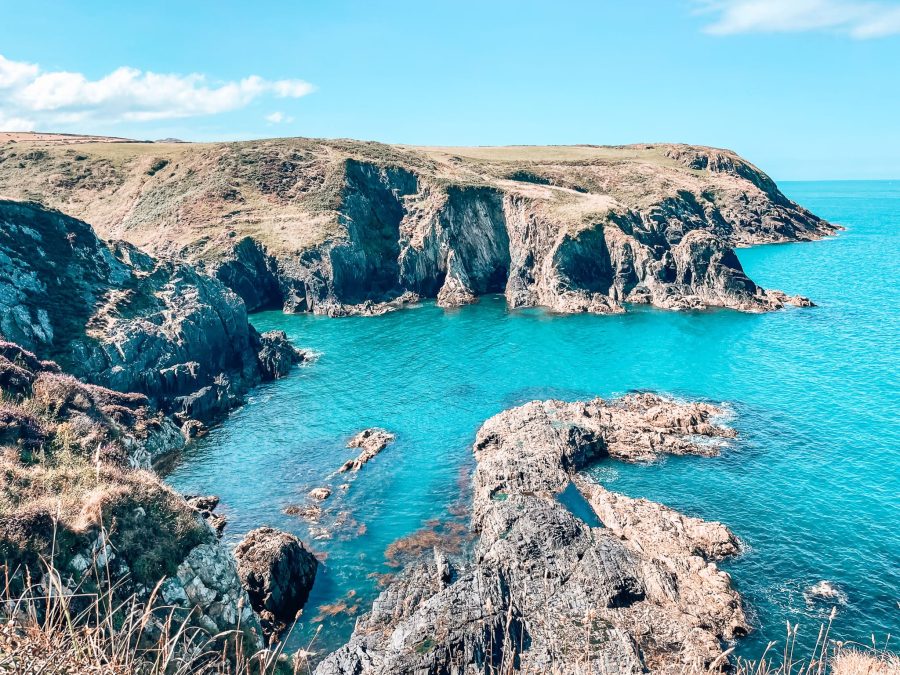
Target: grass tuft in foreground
50 630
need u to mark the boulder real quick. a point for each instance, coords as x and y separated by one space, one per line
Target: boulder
278 572
320 493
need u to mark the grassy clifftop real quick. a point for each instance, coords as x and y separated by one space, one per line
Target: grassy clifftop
330 225
287 193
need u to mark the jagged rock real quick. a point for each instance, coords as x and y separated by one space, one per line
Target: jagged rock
366 308
207 580
371 441
278 573
442 566
121 319
202 503
347 227
205 505
547 592
276 355
651 526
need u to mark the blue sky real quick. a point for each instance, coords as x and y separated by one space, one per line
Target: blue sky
804 88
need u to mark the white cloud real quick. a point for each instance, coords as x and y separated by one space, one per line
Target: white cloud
278 118
16 124
861 20
292 88
14 72
29 96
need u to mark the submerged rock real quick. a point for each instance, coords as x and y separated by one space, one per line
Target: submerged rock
308 512
825 592
544 590
371 441
278 572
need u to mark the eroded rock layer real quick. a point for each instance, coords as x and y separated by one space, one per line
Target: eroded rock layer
347 227
547 591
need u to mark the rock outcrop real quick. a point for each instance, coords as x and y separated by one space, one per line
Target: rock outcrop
207 584
116 317
40 402
346 227
546 591
206 505
371 442
278 573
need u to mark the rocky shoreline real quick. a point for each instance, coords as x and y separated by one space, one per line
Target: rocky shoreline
147 353
112 359
546 591
119 318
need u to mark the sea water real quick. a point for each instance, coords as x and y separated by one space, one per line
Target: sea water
811 485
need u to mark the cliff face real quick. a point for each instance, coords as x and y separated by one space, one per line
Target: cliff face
340 227
550 588
116 317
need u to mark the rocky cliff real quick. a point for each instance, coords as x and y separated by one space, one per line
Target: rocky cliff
343 227
81 515
566 577
119 318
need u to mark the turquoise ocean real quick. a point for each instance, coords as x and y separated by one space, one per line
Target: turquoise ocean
811 486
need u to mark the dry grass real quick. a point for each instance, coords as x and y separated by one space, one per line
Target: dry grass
550 153
828 657
852 661
65 475
47 630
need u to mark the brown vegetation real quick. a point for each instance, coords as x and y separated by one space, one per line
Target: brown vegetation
46 631
451 536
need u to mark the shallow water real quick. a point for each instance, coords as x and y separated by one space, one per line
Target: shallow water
812 485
